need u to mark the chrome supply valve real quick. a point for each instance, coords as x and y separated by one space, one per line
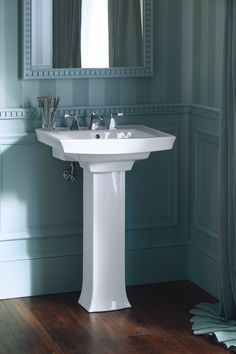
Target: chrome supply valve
75 122
112 121
70 174
94 121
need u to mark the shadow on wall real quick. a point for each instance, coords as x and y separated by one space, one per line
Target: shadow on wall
41 221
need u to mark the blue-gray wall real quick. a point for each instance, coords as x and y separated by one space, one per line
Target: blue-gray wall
208 38
41 215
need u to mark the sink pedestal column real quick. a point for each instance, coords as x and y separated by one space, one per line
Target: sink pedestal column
103 286
105 155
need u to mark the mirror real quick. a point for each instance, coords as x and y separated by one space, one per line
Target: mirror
87 38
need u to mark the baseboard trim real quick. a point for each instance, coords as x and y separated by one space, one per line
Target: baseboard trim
37 276
206 273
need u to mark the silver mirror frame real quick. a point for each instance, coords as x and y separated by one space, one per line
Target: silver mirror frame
30 73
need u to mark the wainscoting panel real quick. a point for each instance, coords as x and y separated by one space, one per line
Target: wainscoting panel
40 276
168 261
31 183
203 246
41 215
206 182
41 228
203 270
153 203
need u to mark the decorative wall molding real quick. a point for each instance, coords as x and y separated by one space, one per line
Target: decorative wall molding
40 256
156 246
19 113
146 109
139 226
41 232
210 138
34 256
204 111
60 230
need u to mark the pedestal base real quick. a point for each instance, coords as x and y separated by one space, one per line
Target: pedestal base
103 286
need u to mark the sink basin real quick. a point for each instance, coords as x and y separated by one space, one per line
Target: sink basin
106 150
123 140
104 155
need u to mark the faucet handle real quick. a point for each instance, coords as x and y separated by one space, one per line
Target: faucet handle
75 116
118 114
96 116
75 122
112 123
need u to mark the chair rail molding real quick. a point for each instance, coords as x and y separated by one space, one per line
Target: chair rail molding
144 109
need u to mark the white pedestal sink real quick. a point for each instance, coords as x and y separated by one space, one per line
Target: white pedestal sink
104 155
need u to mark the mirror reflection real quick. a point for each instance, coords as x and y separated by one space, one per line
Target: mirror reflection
87 33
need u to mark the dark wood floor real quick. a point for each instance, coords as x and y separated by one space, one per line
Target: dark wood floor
157 323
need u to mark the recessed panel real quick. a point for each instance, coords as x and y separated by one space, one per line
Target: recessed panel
206 183
33 192
151 191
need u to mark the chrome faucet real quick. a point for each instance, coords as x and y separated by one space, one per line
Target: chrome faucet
112 121
94 121
75 122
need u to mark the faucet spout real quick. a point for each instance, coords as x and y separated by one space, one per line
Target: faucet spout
94 121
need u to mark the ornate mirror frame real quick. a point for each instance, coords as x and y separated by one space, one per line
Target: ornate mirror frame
30 72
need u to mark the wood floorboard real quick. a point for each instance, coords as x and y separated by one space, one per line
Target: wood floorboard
158 322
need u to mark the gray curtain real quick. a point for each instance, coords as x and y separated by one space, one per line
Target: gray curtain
125 33
219 320
66 33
